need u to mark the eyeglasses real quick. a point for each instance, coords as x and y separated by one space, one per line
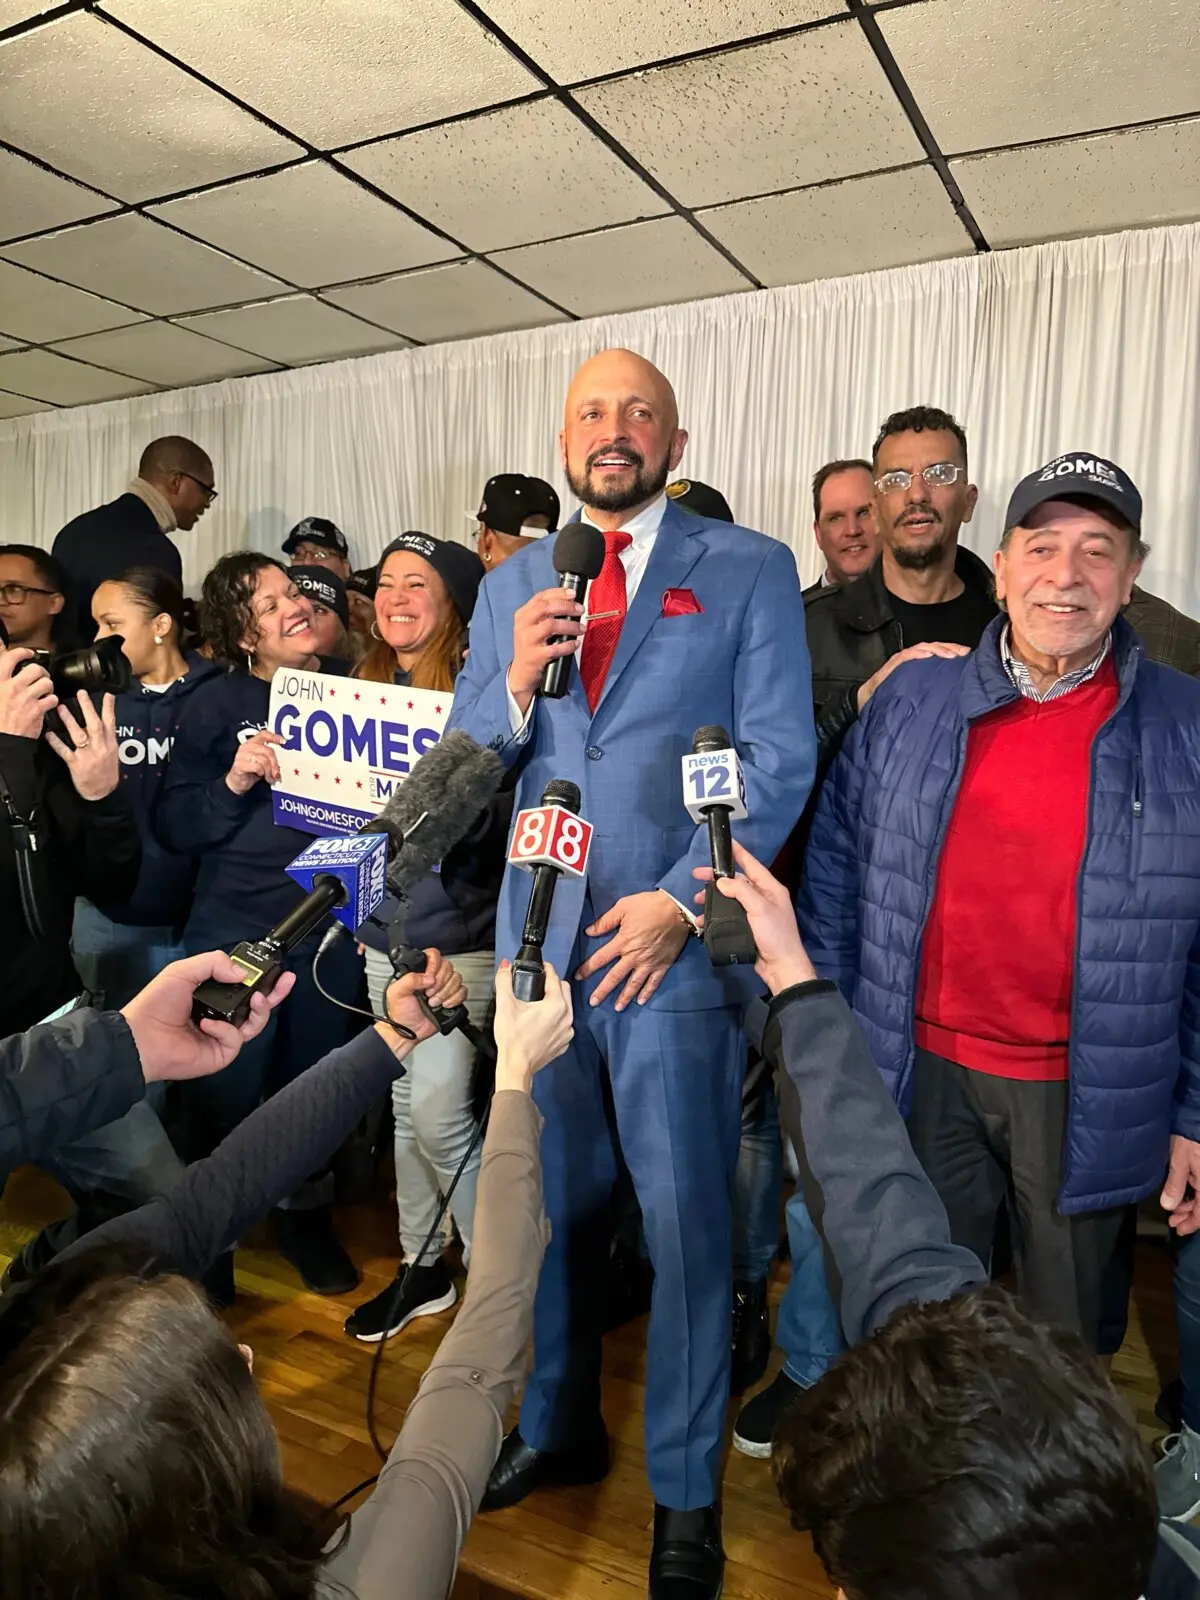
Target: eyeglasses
15 594
939 476
209 491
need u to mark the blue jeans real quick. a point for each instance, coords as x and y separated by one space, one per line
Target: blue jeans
115 959
809 1329
1187 1323
757 1186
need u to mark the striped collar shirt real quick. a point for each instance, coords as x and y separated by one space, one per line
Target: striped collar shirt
1022 678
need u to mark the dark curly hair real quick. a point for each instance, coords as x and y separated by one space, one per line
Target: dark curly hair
921 419
226 600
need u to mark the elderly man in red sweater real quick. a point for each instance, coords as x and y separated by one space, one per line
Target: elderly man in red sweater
1003 878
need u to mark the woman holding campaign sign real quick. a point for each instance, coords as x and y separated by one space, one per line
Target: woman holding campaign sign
119 948
423 603
217 803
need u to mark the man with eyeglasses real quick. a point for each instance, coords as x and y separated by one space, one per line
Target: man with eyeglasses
173 489
923 595
32 595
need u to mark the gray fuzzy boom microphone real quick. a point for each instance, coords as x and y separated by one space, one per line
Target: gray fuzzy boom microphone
436 805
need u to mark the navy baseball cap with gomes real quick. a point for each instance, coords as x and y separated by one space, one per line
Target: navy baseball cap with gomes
1077 476
511 497
320 531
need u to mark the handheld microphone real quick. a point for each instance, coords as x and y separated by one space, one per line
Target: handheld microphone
430 812
547 840
578 557
714 790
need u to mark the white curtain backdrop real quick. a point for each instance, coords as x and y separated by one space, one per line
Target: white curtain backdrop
1089 345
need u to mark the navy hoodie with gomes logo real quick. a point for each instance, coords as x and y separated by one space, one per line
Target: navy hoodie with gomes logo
146 724
242 887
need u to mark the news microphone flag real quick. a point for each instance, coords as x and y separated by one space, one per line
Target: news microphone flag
359 863
551 836
714 778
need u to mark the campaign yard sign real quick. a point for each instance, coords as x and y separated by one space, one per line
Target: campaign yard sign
347 746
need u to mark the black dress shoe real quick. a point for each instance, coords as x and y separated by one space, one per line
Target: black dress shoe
687 1562
520 1468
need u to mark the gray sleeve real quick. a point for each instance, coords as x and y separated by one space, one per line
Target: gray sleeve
406 1539
883 1223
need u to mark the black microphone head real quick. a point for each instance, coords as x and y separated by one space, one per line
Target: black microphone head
579 548
438 802
710 738
562 792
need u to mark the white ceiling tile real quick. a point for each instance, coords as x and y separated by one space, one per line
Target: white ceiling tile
39 310
1083 186
15 405
514 176
34 199
888 220
771 116
94 103
164 355
459 301
296 331
625 269
335 71
14 11
310 224
987 74
47 376
610 35
145 264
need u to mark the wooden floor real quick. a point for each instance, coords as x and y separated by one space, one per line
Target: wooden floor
580 1544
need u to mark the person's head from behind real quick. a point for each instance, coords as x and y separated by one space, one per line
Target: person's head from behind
424 599
254 617
32 594
844 519
966 1450
922 496
515 511
144 607
1069 558
136 1455
183 474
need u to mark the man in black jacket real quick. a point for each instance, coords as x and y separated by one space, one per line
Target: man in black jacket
173 489
923 595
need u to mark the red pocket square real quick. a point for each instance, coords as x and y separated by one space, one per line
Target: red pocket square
681 603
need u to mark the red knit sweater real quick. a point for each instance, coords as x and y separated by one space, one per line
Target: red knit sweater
994 989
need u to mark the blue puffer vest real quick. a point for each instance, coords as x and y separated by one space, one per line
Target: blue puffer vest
1135 1010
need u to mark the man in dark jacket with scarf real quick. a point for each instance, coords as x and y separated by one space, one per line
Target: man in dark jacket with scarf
1002 880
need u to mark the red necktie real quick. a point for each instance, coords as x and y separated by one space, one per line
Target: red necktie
606 613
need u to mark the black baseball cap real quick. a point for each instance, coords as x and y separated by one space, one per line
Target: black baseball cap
317 530
510 497
1076 476
323 588
701 499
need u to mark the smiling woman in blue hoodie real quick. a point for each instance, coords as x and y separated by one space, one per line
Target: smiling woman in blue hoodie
217 803
119 947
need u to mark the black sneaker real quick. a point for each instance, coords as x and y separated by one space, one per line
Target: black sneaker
419 1292
757 1420
308 1241
751 1335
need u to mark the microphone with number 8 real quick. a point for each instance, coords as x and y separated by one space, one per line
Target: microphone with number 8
714 790
547 840
578 557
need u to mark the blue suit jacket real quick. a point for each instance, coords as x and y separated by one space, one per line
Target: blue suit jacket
742 662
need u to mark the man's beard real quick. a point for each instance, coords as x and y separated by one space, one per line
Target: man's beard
919 558
612 497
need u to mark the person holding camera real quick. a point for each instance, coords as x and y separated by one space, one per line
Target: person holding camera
182 1491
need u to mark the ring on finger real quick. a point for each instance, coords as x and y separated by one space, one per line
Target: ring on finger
82 742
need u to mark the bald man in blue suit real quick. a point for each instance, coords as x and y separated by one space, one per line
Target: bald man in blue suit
693 622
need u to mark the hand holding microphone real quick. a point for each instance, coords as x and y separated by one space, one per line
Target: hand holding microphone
714 790
547 629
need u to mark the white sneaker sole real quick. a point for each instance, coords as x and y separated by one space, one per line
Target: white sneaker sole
427 1308
754 1448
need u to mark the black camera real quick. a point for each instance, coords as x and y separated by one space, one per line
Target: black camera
100 668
